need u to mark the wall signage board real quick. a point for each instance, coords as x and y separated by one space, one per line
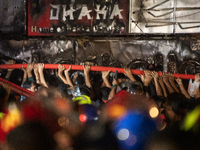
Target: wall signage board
77 17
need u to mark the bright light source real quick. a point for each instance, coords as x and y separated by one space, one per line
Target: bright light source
123 134
83 118
153 112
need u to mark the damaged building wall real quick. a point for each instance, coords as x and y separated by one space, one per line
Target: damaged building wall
138 54
12 16
144 18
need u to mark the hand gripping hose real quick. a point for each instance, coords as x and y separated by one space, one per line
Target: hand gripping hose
92 68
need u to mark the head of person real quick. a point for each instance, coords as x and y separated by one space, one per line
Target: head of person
78 78
173 138
79 90
176 107
160 101
30 136
31 86
63 90
105 93
133 87
11 61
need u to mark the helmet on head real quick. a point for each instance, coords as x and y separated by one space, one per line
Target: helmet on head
83 99
80 80
78 90
133 87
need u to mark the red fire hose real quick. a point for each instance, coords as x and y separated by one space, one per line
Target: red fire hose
92 68
17 89
26 93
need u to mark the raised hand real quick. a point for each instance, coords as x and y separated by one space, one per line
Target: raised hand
40 67
67 70
179 81
35 69
171 77
155 75
165 77
30 67
197 77
146 77
60 68
105 74
129 74
86 69
24 69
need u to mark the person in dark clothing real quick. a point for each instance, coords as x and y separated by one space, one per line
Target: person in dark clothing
175 108
30 136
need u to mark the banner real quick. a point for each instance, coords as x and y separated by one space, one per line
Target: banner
77 17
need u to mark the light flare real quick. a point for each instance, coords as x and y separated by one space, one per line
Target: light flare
123 134
83 118
154 112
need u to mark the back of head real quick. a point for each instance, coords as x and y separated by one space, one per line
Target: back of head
30 136
173 138
63 89
105 92
79 90
80 80
85 91
27 84
178 103
133 87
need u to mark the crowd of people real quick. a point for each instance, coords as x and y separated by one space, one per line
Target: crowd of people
87 110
